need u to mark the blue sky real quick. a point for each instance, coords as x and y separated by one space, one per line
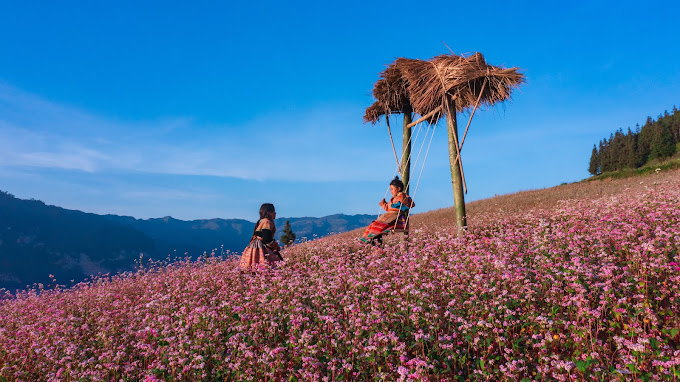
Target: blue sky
208 110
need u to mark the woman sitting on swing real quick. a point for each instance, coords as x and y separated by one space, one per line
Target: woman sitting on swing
395 217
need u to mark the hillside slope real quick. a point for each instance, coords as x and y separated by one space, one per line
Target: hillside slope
37 240
577 282
546 198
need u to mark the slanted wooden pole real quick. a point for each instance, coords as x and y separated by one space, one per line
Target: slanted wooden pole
468 126
406 154
426 116
456 176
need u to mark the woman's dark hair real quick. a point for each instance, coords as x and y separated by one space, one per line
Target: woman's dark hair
397 183
265 210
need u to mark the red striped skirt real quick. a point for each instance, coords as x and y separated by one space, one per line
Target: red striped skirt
385 222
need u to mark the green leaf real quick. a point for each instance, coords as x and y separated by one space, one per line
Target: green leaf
654 343
581 366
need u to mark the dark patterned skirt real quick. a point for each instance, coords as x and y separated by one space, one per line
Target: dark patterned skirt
258 253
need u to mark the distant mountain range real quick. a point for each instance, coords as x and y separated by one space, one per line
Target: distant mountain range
37 240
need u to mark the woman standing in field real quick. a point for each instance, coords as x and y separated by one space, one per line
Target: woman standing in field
262 249
395 217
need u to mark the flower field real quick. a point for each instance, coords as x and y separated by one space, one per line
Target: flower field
584 290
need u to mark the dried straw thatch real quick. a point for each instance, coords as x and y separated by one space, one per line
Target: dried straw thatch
391 94
422 86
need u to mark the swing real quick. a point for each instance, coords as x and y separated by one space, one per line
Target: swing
434 88
401 224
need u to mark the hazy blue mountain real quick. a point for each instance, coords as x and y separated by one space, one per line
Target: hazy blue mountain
311 228
175 237
37 240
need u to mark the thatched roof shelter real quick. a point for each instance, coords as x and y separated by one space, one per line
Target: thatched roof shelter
390 92
422 86
441 86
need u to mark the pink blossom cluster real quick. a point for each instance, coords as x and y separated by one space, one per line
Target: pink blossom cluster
587 290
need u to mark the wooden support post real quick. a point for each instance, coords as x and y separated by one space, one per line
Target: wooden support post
406 153
456 174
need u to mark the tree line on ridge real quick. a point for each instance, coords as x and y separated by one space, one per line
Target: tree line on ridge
656 140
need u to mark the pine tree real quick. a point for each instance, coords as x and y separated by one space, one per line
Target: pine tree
662 146
618 150
603 156
645 138
288 236
607 159
594 167
675 125
630 150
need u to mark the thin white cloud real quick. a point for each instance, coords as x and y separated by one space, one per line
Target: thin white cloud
319 145
165 194
21 147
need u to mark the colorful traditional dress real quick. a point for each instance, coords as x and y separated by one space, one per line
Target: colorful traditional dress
262 248
395 217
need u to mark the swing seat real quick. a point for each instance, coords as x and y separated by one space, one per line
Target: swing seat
402 225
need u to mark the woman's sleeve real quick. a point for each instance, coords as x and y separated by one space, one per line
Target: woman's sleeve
266 235
406 201
266 231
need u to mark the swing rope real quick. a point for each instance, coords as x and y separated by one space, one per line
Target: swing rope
422 167
389 130
399 169
387 118
420 126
